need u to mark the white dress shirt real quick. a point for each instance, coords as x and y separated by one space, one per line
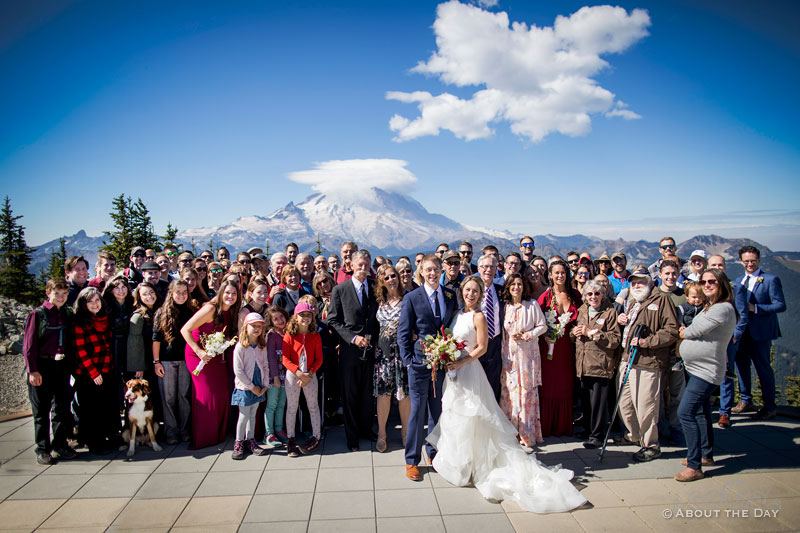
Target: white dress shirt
440 295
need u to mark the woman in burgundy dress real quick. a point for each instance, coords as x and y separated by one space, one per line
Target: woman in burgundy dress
211 394
558 370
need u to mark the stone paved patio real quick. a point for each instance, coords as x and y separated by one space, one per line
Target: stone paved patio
758 473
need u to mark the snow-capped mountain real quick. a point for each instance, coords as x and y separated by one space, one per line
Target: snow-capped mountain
382 221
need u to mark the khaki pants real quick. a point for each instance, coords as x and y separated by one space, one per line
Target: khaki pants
640 403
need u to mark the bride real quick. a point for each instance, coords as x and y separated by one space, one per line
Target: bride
474 439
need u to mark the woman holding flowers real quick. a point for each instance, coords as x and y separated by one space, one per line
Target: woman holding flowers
211 393
522 372
474 440
558 366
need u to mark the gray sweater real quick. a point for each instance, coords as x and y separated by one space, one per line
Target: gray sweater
706 342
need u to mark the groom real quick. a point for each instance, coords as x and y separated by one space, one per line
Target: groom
425 310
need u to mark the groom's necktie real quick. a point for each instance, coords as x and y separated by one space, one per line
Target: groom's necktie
490 313
437 310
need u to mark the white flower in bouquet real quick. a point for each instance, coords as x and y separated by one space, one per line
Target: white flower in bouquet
556 327
441 350
214 344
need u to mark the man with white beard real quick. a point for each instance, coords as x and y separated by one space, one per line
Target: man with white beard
640 401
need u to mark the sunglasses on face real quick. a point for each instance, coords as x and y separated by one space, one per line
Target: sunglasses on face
572 261
185 261
528 245
582 274
708 282
667 246
172 254
201 269
593 294
390 277
139 255
465 252
150 257
216 271
407 271
204 257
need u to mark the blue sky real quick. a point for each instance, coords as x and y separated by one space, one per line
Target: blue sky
204 109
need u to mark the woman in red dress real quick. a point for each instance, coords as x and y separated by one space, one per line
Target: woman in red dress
558 370
211 393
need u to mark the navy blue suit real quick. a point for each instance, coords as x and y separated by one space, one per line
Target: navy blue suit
726 399
756 340
417 318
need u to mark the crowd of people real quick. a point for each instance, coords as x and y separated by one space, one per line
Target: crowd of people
557 339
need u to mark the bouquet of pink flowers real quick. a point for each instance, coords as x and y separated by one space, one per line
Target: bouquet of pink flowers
214 344
441 350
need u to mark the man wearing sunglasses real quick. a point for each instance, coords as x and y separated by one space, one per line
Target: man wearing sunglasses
526 249
668 250
465 253
574 262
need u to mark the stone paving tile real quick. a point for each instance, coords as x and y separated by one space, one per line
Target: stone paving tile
215 528
136 465
187 463
494 522
225 463
112 486
287 481
50 487
229 483
83 464
347 460
280 461
217 511
24 463
757 486
26 514
342 526
280 508
644 491
12 448
282 527
464 500
390 458
561 522
406 502
767 460
335 505
730 521
428 524
789 512
608 519
335 480
708 489
394 477
600 495
9 484
655 517
177 485
790 480
119 529
150 513
84 513
23 432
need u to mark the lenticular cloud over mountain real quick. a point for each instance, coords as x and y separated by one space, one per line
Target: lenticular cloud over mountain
539 80
353 175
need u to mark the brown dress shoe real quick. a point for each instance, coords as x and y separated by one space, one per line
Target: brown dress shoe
724 421
705 461
742 407
412 473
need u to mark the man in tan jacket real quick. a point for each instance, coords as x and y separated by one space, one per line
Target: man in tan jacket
641 397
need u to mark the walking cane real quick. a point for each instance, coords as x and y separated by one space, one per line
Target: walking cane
637 331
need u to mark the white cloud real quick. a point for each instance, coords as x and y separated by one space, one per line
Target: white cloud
537 79
488 3
351 175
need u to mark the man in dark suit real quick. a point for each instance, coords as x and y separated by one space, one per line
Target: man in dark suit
765 300
425 310
495 310
352 315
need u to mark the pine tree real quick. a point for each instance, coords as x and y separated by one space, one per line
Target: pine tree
15 258
792 391
142 227
169 235
120 241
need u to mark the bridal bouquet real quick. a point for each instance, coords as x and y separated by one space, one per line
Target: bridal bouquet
441 350
556 327
214 345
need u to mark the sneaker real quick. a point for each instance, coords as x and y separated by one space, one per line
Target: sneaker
66 453
647 454
291 448
238 451
743 407
254 448
282 436
272 442
310 445
43 458
764 414
593 444
678 366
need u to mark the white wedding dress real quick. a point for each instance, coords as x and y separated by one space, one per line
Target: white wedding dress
476 442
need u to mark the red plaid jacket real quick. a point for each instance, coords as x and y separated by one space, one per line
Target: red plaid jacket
93 348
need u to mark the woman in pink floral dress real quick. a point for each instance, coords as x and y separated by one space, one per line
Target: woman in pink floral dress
522 376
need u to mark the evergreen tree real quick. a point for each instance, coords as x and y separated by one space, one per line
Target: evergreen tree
792 391
143 233
15 258
169 235
120 241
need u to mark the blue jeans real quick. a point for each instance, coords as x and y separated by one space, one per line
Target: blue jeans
694 413
758 352
726 392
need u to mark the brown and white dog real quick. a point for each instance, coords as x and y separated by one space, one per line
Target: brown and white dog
140 416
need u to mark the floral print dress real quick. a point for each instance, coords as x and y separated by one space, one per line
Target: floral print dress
391 376
522 370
